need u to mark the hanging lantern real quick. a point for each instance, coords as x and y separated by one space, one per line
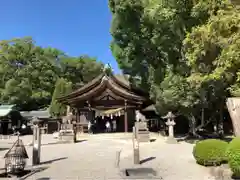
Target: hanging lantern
15 158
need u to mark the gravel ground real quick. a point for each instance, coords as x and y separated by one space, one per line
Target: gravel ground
95 159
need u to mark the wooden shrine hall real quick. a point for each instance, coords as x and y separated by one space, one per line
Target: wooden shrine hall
107 96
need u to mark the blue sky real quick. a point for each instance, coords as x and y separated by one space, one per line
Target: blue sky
77 27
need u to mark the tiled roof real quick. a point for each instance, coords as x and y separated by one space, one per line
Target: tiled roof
5 109
39 114
118 84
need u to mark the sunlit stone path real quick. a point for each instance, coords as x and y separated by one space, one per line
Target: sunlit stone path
94 158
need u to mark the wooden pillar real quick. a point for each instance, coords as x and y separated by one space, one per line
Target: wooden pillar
90 115
59 126
125 117
78 115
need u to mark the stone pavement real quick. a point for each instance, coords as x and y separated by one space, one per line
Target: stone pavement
95 158
170 161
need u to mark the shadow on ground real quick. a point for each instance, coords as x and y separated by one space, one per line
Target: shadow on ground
227 139
53 160
190 140
79 141
152 140
147 159
24 174
3 149
58 142
193 140
65 142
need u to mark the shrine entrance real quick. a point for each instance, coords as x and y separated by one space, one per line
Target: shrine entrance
114 118
116 124
103 98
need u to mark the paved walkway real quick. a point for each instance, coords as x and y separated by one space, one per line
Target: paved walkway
95 159
171 161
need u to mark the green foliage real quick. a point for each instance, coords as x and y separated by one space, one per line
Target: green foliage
210 152
28 72
186 53
147 43
233 153
62 88
212 53
80 70
174 93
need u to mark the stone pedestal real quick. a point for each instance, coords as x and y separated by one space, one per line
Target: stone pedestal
67 133
67 136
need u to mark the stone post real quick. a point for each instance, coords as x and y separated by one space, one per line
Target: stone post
36 142
136 154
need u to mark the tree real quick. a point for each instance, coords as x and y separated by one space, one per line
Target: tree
147 39
184 51
80 70
28 72
212 52
26 66
62 88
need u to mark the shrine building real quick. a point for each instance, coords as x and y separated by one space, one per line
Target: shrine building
106 97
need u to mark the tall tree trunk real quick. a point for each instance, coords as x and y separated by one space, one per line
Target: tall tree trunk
192 125
202 117
220 122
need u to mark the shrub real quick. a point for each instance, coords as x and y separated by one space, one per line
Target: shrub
233 154
210 152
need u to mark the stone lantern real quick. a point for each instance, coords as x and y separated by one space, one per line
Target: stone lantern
15 158
36 121
170 123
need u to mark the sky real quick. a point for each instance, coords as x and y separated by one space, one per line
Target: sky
77 27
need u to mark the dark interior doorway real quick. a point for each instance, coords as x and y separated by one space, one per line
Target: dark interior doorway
4 127
99 125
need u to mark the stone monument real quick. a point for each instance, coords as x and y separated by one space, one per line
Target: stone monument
170 123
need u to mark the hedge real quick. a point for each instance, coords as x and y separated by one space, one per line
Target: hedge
233 154
210 152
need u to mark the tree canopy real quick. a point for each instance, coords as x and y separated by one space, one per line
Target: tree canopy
62 87
29 72
185 51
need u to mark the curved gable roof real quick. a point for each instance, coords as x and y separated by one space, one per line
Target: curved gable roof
120 87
